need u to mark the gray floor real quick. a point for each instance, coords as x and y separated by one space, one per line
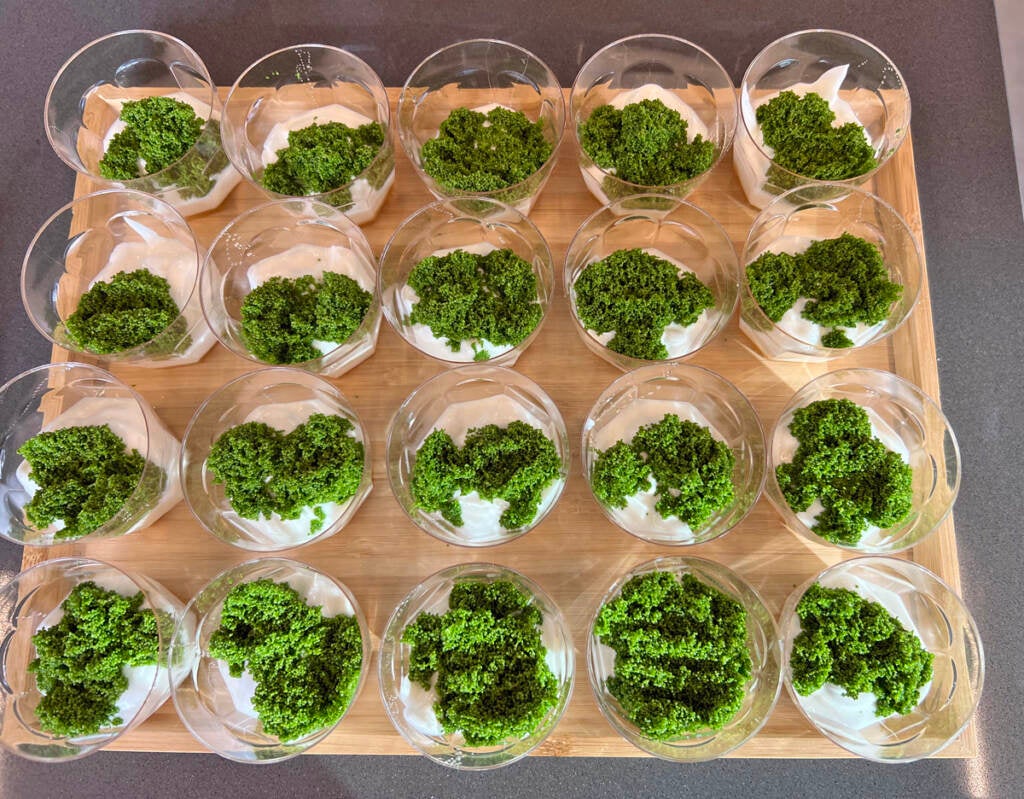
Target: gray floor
1010 23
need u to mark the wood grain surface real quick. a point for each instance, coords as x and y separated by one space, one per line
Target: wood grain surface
575 553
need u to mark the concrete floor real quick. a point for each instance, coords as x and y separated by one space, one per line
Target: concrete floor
1010 20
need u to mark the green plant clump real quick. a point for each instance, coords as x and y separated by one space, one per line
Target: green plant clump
159 131
636 295
858 645
645 143
265 471
85 475
514 463
322 157
681 658
492 682
844 279
840 463
282 317
476 298
480 152
691 470
306 666
124 312
79 660
799 130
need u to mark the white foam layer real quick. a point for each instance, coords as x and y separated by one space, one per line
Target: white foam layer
366 200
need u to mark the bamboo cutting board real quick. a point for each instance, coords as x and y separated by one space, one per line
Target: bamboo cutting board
576 553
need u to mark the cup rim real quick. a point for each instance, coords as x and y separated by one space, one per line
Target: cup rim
413 157
338 218
900 564
880 161
228 141
132 354
730 133
873 378
775 209
519 218
212 96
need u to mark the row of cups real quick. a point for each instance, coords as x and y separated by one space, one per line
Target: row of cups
73 393
297 81
78 244
216 713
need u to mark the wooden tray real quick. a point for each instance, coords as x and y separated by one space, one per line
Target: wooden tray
576 552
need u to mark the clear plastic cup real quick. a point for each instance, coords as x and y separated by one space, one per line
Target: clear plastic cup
644 396
790 225
872 90
71 394
476 74
84 102
459 400
407 705
216 707
930 609
762 691
680 74
667 228
908 422
282 398
289 238
478 226
32 601
299 86
94 238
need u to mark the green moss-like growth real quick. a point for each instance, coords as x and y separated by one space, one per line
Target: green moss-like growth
681 658
265 471
645 143
636 295
840 463
129 310
844 279
479 152
691 470
79 660
306 666
282 317
492 683
858 645
799 130
159 131
476 298
514 463
85 475
323 157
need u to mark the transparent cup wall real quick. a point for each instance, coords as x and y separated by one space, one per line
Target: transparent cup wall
474 225
474 396
930 609
98 236
273 231
873 88
74 394
476 74
669 229
431 596
294 88
282 398
32 601
85 99
761 692
903 417
789 224
643 397
210 703
687 72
